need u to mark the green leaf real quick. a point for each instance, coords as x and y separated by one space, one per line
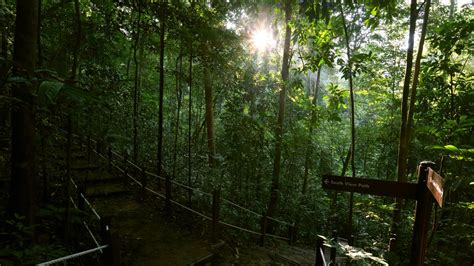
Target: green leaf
451 147
48 91
373 12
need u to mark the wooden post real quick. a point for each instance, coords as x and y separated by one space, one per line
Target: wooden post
168 196
333 249
291 234
263 229
144 183
98 147
67 228
80 200
109 155
111 254
88 149
319 251
351 240
392 242
422 215
216 200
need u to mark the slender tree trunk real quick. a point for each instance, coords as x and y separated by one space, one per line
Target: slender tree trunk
4 33
179 72
161 88
137 85
38 41
403 148
209 110
416 73
351 93
23 184
77 44
190 108
281 114
309 149
167 208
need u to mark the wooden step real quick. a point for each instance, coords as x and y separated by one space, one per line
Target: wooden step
79 156
85 167
106 190
107 180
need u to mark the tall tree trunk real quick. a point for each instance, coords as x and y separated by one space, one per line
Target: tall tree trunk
190 108
161 89
4 32
403 148
23 184
281 114
416 73
77 44
179 73
161 172
136 85
351 93
309 149
38 41
209 109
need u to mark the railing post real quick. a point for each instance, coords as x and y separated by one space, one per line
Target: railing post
88 150
125 174
291 234
422 215
351 240
98 147
111 254
333 248
392 243
263 229
144 182
80 200
109 157
168 196
81 141
319 251
216 199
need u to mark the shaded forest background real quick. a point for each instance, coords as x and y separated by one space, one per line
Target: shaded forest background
365 90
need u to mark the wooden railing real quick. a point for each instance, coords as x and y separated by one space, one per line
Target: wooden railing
151 183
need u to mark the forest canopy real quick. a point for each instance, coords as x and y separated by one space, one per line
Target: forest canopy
254 99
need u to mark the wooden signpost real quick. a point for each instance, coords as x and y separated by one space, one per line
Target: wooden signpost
429 186
435 184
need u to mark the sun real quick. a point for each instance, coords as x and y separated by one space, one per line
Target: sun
262 39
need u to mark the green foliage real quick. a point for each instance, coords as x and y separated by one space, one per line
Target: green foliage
246 85
18 247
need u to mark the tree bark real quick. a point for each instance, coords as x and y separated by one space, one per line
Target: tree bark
23 184
209 109
190 108
281 114
136 85
161 89
351 93
309 149
77 44
403 148
416 73
179 72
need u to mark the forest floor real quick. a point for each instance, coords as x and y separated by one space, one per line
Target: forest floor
148 238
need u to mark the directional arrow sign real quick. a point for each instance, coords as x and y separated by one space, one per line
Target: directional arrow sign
435 184
370 186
